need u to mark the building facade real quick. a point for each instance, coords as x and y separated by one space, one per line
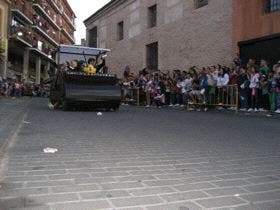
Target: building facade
256 29
4 19
163 34
37 28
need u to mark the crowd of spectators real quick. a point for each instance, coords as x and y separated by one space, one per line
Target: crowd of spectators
15 89
258 86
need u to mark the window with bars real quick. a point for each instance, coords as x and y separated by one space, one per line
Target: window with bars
93 37
273 5
120 31
152 16
200 3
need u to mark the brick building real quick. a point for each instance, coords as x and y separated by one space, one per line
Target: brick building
4 18
37 28
256 29
164 34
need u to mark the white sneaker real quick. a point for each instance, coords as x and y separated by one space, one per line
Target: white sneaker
243 110
250 110
277 111
148 106
182 105
261 110
256 110
171 105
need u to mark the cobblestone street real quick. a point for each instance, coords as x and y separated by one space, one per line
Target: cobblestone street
137 158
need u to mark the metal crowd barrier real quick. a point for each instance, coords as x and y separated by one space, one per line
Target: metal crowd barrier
226 96
131 96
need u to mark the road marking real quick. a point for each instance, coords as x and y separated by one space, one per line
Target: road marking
4 157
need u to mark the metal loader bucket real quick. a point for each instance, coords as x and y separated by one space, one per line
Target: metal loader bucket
97 90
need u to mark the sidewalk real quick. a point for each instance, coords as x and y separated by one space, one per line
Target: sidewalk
10 111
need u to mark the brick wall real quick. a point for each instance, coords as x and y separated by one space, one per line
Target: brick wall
251 21
186 36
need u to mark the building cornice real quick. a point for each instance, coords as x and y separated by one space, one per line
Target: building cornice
104 10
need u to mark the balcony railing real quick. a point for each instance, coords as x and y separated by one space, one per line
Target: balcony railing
68 35
44 53
21 11
22 34
43 48
69 21
56 5
39 29
44 12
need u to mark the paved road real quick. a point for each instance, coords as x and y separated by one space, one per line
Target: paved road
140 158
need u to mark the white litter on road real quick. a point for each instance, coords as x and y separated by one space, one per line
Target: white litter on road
50 150
99 113
237 195
51 107
25 122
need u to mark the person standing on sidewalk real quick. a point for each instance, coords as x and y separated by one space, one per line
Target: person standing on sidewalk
272 91
254 87
243 85
277 84
17 89
264 96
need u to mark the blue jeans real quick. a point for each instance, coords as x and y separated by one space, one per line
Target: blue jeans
244 100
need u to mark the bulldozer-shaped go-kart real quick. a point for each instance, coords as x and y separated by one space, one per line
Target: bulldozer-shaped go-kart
81 82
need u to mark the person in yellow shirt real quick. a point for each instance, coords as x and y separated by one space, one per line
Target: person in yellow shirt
93 67
90 69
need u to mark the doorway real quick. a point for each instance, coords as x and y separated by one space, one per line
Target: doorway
267 48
